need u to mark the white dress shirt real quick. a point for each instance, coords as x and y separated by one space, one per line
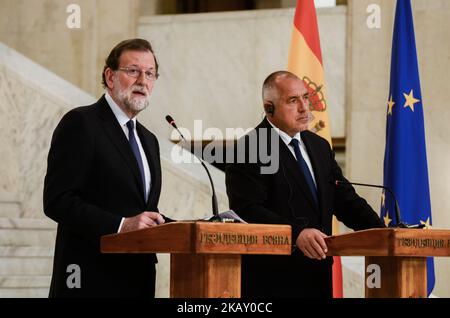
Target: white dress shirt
122 118
287 139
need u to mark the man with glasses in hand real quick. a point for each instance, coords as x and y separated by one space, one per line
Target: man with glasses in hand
104 177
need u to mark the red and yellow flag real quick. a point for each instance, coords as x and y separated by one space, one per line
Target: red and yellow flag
305 60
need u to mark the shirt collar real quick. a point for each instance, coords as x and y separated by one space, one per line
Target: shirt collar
285 137
121 117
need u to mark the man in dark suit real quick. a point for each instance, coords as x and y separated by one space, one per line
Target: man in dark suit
300 192
104 177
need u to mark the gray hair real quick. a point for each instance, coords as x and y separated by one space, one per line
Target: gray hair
269 88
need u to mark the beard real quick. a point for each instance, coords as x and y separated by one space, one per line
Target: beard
134 104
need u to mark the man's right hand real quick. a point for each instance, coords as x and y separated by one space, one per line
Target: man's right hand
311 242
141 221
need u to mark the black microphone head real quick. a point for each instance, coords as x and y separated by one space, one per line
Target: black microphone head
170 119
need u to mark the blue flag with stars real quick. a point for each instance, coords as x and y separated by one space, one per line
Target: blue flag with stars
405 158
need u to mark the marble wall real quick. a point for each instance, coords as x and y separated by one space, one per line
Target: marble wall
213 65
39 30
368 86
32 100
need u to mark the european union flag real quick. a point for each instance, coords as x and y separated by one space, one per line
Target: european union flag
405 159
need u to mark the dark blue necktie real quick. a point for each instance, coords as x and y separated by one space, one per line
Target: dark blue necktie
135 148
304 168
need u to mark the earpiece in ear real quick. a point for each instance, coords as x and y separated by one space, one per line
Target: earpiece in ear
270 109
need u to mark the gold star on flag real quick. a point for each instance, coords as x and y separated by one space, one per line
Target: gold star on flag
427 223
410 100
390 105
387 220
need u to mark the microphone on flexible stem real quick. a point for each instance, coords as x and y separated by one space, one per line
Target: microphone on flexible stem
215 208
400 223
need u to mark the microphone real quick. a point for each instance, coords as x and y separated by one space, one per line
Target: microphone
400 223
171 122
216 217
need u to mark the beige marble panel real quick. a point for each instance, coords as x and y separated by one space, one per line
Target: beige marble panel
22 266
32 101
20 223
9 170
213 65
27 237
9 209
26 251
25 282
24 292
38 29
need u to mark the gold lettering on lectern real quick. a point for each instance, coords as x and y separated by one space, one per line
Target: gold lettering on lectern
228 238
275 240
422 243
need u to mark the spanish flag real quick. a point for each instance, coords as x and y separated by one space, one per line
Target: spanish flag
305 60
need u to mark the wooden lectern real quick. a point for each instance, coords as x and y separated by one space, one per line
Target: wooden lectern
400 253
205 256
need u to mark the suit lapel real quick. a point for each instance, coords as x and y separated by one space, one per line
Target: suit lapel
150 149
118 138
314 157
